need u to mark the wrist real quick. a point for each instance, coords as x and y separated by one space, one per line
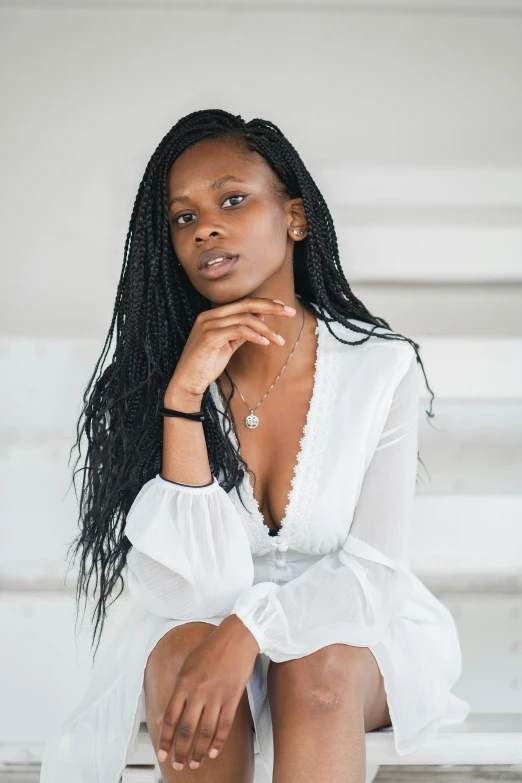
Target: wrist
182 400
234 626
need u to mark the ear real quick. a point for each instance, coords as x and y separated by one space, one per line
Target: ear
297 219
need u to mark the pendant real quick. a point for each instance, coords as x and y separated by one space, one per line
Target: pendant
251 421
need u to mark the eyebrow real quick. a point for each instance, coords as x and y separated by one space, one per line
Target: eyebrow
213 186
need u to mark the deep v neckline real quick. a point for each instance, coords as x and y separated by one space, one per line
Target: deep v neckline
311 445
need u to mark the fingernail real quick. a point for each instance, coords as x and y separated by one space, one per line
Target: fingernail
162 755
194 764
213 753
290 309
177 766
278 301
280 339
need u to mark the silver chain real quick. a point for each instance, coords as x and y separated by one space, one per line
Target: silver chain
251 420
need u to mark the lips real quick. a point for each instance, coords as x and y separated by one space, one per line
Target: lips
220 268
216 253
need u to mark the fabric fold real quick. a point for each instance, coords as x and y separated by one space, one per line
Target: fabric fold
190 556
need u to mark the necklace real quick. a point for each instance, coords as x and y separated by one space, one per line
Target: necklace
252 421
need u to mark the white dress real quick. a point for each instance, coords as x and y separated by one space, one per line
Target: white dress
338 571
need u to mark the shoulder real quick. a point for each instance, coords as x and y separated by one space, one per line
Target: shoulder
394 354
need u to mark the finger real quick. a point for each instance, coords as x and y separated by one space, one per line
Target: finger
186 734
207 731
248 304
225 723
251 320
243 332
170 719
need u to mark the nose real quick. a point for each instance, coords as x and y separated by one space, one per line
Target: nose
207 226
203 235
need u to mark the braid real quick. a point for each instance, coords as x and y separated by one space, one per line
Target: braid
154 311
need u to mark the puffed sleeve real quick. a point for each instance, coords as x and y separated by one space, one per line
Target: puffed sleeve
350 595
190 557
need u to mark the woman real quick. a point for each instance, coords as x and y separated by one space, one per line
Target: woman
285 605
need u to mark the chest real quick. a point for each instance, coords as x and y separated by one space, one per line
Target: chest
306 453
273 449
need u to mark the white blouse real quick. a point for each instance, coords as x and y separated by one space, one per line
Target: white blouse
337 572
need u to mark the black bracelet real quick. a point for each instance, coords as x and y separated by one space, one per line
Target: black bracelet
198 416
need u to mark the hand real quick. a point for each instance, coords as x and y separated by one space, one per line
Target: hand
211 681
216 334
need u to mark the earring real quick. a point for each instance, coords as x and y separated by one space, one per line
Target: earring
295 232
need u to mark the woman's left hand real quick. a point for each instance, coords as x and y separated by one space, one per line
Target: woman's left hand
211 681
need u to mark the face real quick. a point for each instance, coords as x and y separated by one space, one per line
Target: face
222 197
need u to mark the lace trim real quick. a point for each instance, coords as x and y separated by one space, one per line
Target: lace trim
307 469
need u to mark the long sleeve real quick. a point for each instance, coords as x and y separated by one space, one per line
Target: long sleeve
350 595
190 557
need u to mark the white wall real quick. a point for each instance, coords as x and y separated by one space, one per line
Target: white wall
87 94
410 120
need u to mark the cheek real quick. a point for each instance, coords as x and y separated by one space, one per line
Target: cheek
269 226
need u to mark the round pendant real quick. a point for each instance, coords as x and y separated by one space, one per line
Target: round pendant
251 421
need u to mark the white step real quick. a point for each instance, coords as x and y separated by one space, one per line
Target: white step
431 253
471 447
426 186
480 310
467 536
480 739
472 368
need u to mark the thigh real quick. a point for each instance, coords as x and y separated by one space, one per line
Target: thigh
338 678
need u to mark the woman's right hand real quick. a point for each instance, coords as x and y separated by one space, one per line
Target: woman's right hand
216 334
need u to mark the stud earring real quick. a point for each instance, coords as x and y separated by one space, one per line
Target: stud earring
295 232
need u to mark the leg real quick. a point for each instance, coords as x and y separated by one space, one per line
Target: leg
321 707
235 763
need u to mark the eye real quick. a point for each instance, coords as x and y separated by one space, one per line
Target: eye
239 195
185 214
177 219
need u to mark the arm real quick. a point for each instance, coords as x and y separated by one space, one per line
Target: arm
190 556
350 595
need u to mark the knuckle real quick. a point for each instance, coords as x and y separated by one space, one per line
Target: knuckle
185 730
225 724
206 732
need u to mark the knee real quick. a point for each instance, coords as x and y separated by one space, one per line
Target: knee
168 655
329 680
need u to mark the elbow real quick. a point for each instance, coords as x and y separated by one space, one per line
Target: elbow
176 599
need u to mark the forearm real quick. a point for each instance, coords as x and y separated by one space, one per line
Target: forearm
185 456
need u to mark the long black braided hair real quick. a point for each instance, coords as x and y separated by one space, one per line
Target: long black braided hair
155 309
